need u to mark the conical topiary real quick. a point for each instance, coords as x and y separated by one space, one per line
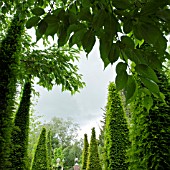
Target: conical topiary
116 136
20 132
85 152
93 162
40 161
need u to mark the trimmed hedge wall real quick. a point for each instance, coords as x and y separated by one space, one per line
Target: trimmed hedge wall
116 134
85 152
93 162
40 161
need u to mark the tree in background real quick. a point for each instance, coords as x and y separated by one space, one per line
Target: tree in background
49 149
19 157
64 132
150 131
40 161
93 162
116 132
85 152
71 152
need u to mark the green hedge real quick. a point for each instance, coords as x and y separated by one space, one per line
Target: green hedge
40 161
9 48
85 152
93 162
116 132
150 132
20 132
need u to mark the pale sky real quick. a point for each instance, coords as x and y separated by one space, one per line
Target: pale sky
84 107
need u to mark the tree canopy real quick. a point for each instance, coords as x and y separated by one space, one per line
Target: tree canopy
128 31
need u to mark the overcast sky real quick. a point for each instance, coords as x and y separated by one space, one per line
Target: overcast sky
84 107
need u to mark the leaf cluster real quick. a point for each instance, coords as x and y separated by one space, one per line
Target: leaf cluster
128 30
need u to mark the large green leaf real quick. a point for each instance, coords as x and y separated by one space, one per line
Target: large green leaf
88 40
121 67
146 72
51 19
151 85
42 26
148 102
130 89
121 80
128 42
127 26
32 22
99 19
77 37
38 11
111 25
114 53
105 46
52 29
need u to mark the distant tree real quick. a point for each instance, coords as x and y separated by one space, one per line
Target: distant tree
150 130
64 132
71 152
19 157
116 132
40 161
93 162
85 152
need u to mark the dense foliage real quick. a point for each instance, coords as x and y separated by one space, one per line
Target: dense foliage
127 30
19 157
40 161
116 136
9 48
85 152
49 149
150 131
93 162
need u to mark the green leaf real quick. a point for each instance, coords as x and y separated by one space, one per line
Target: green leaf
42 26
77 37
151 85
146 72
38 35
63 37
99 19
104 47
51 19
121 80
150 33
148 102
164 15
32 22
121 4
114 53
85 14
127 26
130 89
38 11
52 29
88 41
128 42
111 25
121 67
